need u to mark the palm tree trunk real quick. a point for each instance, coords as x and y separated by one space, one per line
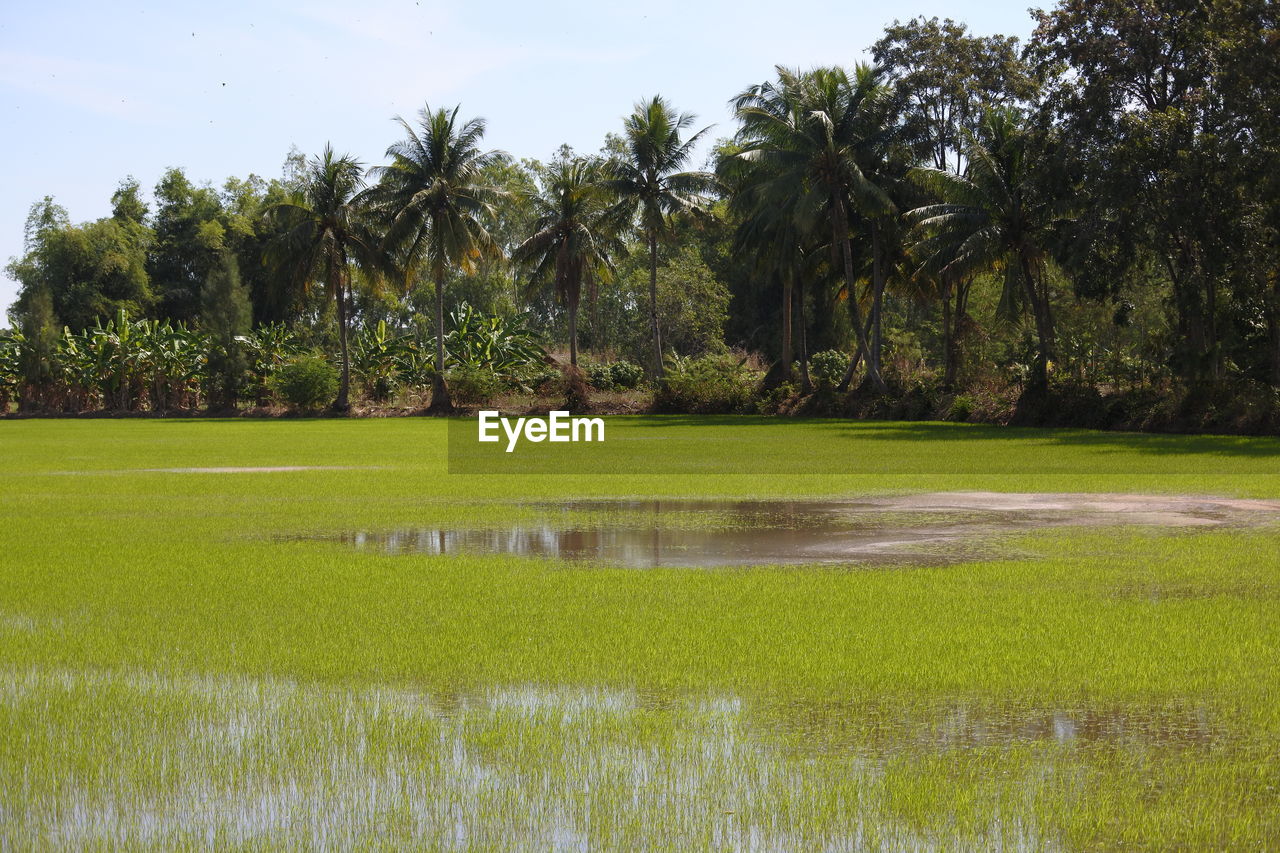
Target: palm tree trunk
441 402
859 353
1044 324
877 297
653 302
840 239
573 329
344 382
786 326
806 384
948 341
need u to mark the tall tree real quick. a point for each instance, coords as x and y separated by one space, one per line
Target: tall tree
942 80
649 178
434 203
575 234
189 235
996 215
321 233
89 271
1138 101
38 350
816 136
225 317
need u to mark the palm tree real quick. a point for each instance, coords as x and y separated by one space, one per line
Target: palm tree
816 137
771 234
647 178
993 217
321 232
433 201
575 234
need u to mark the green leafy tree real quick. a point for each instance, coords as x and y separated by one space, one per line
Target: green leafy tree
942 79
189 235
225 318
89 271
1169 112
38 351
434 204
648 177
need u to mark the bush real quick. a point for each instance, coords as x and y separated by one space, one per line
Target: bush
709 384
474 385
961 408
773 402
615 375
306 382
626 375
827 368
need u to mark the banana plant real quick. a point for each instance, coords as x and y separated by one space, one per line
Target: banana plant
499 344
10 368
268 347
378 357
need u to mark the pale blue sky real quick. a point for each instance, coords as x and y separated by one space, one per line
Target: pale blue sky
92 92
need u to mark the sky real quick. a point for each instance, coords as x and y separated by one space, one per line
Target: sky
93 92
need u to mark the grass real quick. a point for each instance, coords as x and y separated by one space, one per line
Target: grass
173 673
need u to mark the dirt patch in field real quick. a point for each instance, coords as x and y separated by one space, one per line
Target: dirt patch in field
934 528
224 469
263 469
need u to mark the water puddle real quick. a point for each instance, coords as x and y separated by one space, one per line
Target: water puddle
933 528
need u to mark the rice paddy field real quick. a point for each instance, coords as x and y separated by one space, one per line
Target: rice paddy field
265 634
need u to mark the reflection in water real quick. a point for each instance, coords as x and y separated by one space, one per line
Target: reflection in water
653 547
881 730
935 528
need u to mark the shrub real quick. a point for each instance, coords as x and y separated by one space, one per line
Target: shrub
826 368
306 382
615 375
600 375
538 378
774 401
961 408
474 385
708 384
626 375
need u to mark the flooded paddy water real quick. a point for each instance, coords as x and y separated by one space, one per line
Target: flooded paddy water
265 762
921 528
137 757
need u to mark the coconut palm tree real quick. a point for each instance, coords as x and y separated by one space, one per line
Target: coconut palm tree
993 217
770 235
433 201
575 234
321 233
647 178
817 138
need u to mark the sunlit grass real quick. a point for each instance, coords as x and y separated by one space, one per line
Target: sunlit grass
171 673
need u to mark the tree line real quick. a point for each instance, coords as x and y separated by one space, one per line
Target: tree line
1099 206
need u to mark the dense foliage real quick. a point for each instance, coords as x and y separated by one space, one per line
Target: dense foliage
1085 226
